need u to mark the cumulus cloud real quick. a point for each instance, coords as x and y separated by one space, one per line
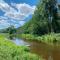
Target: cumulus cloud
15 12
23 10
15 16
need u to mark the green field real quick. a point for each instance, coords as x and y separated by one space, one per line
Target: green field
9 51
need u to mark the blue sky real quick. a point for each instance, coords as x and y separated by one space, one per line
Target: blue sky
30 2
16 12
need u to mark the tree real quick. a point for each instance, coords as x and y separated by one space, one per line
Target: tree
45 18
51 11
47 12
12 31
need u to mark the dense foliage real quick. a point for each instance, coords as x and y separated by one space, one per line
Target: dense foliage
45 19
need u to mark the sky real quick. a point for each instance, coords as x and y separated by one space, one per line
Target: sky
16 12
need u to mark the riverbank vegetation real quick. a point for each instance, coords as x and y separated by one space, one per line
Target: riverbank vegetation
47 38
10 51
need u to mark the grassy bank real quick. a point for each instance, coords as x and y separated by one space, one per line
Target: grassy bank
48 38
9 51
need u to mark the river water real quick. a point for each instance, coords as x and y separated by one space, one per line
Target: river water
48 52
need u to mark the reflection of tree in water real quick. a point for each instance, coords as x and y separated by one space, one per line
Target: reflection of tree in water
50 58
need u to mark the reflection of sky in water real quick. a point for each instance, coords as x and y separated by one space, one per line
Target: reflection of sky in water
20 42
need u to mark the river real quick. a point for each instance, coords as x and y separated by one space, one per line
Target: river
48 52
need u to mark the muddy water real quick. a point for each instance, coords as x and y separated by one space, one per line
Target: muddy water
48 52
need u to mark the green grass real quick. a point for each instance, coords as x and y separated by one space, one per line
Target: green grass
47 38
27 36
9 51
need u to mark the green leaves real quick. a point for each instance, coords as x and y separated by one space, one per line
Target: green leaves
44 19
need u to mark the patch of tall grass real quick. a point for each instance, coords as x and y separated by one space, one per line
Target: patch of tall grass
10 51
47 38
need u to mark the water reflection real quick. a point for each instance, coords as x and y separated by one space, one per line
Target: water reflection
19 42
46 51
50 58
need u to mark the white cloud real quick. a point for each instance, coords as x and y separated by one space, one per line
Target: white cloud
4 24
24 10
2 17
21 12
15 16
6 8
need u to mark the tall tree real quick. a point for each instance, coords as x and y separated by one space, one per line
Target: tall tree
44 19
51 11
47 12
